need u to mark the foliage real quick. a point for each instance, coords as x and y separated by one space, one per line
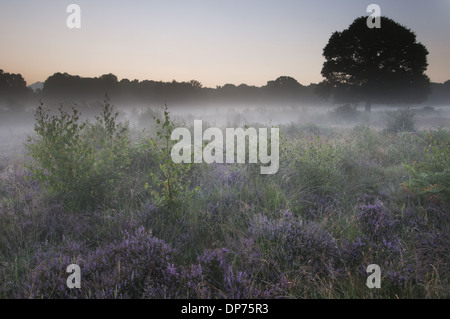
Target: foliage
335 206
314 164
401 121
294 244
378 65
366 142
431 177
79 160
405 147
116 270
376 222
171 185
13 88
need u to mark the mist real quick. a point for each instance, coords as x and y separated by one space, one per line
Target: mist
140 115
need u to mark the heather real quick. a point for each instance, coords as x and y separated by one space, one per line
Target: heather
107 196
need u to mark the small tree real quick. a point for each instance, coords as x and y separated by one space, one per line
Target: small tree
78 160
379 65
171 185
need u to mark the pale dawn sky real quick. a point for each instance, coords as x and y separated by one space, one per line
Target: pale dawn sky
212 41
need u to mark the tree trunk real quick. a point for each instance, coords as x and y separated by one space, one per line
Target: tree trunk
368 106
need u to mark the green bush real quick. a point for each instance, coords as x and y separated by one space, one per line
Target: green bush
78 160
365 144
431 177
405 148
314 165
171 185
401 121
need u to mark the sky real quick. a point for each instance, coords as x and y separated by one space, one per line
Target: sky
213 41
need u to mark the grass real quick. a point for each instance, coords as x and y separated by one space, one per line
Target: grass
337 204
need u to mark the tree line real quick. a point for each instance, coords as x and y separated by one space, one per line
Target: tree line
64 86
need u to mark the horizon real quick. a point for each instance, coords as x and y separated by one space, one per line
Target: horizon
237 42
305 85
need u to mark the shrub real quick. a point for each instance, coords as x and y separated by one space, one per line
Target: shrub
401 120
292 244
366 143
116 270
211 276
79 161
314 165
405 148
375 220
171 185
431 177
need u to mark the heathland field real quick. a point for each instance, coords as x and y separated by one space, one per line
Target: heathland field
352 189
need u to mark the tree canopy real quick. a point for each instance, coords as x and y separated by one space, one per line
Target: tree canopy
13 90
375 65
12 83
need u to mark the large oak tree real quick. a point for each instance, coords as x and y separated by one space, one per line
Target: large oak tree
375 65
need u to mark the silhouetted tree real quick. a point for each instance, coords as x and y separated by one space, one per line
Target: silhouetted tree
440 93
12 83
378 65
284 83
108 82
195 84
284 88
61 84
13 90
